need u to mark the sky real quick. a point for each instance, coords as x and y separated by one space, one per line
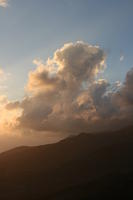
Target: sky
30 34
35 29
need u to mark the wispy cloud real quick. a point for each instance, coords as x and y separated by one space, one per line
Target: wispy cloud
121 58
3 80
4 75
3 3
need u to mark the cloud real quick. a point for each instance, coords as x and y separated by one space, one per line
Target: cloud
57 86
64 95
69 67
2 74
121 58
3 78
124 96
3 3
12 105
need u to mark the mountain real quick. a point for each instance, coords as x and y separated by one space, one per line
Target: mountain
87 166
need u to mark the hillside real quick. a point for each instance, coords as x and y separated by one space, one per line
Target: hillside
80 167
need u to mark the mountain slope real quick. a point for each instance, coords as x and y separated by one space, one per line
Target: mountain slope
81 167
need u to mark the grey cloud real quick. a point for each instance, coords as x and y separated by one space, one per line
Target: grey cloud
124 97
12 105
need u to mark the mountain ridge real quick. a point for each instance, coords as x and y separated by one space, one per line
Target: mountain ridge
78 167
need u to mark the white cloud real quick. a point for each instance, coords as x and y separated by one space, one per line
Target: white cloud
3 3
121 58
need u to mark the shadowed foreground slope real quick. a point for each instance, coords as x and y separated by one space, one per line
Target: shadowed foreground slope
87 166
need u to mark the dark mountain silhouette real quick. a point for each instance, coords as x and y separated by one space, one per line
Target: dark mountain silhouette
87 166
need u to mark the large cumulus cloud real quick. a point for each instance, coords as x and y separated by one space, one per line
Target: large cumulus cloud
65 94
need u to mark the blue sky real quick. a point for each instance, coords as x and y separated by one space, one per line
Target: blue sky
36 28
